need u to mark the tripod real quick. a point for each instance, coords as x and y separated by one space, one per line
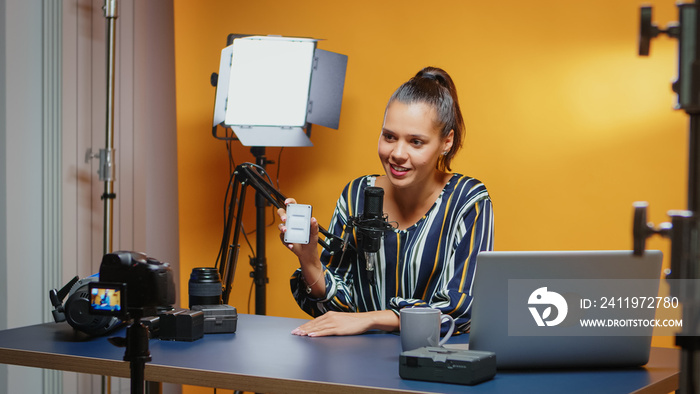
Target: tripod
136 353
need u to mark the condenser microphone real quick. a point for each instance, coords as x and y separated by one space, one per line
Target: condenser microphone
372 219
371 226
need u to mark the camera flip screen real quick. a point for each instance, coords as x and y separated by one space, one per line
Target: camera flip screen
107 298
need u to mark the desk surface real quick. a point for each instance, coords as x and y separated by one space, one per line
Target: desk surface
262 356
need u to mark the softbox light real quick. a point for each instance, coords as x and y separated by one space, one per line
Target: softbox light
271 88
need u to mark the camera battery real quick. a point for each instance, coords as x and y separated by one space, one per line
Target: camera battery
438 364
153 325
298 224
218 318
181 325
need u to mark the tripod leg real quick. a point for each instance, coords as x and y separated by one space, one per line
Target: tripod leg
137 376
137 354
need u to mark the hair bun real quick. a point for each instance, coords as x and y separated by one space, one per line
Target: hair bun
434 74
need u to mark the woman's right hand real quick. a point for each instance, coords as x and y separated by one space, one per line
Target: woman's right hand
305 252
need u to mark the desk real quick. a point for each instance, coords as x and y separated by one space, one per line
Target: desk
262 356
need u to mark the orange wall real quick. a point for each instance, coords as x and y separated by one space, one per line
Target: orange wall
566 125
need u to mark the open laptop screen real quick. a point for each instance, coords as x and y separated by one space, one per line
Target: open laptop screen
565 309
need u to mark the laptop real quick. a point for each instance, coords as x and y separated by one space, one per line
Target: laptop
565 309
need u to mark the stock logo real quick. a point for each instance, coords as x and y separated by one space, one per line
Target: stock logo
553 299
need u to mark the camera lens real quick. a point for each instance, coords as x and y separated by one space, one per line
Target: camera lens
204 287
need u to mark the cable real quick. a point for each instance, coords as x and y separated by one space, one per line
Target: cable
224 242
232 166
262 171
279 166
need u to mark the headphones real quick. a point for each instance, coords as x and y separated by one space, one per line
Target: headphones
76 310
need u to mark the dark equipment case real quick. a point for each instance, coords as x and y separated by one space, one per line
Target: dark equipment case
439 364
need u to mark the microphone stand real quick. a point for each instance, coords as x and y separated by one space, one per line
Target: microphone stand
684 229
248 174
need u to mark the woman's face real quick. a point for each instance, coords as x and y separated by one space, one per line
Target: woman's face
410 144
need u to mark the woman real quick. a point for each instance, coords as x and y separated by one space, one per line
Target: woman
443 220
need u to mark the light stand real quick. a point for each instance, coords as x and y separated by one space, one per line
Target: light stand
106 156
684 229
259 262
269 90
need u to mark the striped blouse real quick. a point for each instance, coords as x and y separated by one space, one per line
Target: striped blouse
431 263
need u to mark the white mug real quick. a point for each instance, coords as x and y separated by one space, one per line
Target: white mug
421 327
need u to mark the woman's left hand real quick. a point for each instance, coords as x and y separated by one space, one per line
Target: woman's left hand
348 323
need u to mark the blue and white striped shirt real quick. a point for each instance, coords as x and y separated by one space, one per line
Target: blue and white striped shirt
431 263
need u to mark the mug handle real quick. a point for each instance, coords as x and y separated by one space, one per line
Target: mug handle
449 332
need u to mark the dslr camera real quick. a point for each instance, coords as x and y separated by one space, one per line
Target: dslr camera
132 285
129 285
